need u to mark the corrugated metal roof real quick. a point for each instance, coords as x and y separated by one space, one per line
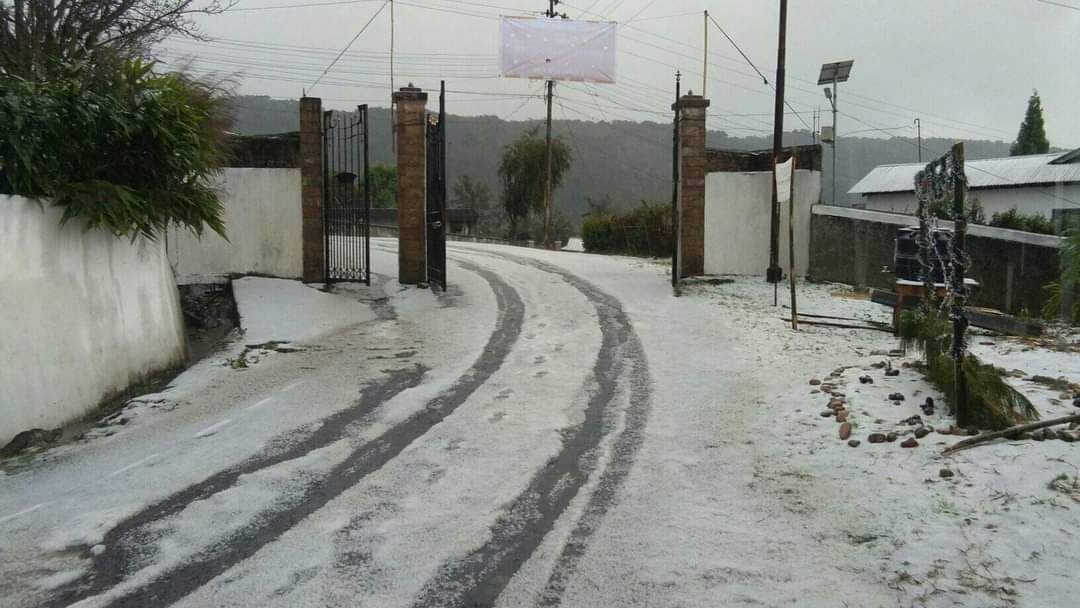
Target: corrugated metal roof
986 173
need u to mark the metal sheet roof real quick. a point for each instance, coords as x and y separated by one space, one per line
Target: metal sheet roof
986 173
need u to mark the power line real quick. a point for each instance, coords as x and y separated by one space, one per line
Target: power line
734 44
348 46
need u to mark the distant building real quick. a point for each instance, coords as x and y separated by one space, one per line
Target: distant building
1042 184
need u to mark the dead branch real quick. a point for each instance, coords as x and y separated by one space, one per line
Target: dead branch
1015 430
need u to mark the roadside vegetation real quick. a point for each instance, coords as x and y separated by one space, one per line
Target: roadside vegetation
644 230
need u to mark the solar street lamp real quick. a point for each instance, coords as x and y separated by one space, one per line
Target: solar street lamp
834 73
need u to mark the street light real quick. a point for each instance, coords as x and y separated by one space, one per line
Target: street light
834 73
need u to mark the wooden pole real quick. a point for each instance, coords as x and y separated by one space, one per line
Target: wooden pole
959 289
547 150
1014 430
774 274
791 242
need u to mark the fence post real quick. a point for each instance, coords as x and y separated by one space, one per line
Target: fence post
311 189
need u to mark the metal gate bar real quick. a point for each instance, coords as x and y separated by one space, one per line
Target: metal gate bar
346 203
436 194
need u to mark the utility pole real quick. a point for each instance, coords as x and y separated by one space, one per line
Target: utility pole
705 64
547 149
774 273
918 125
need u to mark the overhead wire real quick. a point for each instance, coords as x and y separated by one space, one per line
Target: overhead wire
348 46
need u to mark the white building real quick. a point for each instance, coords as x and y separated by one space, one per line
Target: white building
1032 184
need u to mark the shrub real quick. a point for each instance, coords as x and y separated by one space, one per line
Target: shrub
1015 220
644 230
991 402
124 149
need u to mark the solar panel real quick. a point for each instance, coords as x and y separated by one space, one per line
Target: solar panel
835 72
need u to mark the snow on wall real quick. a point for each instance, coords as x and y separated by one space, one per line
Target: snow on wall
1033 199
85 315
737 221
263 223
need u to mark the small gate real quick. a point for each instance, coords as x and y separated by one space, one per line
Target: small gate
436 194
346 196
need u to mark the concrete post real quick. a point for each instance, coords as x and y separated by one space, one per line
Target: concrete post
691 188
411 184
311 189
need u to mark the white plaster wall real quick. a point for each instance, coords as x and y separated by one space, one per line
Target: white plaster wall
737 222
1041 200
263 225
84 315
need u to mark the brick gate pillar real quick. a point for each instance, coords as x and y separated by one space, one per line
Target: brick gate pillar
311 189
691 189
411 123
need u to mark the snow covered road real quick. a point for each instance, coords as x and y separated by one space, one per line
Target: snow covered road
556 429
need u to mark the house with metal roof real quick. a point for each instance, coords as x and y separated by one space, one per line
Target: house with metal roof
1040 183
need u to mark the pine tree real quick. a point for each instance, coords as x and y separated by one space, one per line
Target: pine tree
1032 136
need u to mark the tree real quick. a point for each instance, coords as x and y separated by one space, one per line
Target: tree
1032 136
471 193
383 186
37 36
124 149
522 174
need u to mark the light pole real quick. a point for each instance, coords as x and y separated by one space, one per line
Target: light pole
834 73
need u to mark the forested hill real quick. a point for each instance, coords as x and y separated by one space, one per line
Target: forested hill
630 161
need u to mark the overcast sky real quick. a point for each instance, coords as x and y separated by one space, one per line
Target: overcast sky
964 67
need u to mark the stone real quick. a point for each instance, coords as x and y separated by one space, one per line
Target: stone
841 415
972 432
896 397
97 549
1069 436
945 473
836 404
845 431
1039 435
892 373
879 365
876 438
815 392
921 432
909 443
34 438
866 380
854 443
1076 401
915 420
891 437
827 413
815 382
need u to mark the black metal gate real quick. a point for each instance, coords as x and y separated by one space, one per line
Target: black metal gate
346 196
436 194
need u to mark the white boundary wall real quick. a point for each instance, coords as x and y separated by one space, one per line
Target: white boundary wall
85 315
737 222
264 225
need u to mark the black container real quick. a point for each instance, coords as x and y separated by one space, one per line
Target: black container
906 255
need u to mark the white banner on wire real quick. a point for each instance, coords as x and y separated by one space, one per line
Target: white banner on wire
783 181
557 49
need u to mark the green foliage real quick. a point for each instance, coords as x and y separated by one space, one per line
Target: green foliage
522 173
126 150
644 230
973 210
532 228
991 402
383 186
1015 220
1052 308
1032 136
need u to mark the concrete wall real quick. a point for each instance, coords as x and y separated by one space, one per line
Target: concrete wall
854 246
1041 200
262 221
737 222
85 315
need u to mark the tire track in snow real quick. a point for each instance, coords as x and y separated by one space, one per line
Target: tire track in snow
125 540
477 579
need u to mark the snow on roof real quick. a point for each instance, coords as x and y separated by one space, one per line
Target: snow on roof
986 173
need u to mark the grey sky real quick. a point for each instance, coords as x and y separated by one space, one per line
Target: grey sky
965 67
